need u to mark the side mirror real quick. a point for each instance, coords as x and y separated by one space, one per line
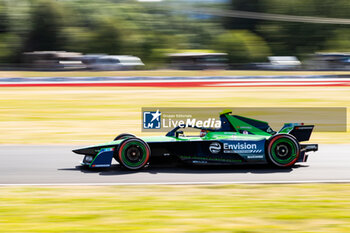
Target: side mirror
178 133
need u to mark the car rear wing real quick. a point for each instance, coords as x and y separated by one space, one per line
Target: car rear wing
300 131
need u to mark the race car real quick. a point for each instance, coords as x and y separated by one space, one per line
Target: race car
239 140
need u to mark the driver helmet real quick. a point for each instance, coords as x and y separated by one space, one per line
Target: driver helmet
203 132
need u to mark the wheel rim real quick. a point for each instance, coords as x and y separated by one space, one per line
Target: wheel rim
284 151
134 154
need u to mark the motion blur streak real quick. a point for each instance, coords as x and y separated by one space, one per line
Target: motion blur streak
274 17
187 83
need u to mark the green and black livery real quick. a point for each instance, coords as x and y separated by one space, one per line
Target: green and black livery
240 140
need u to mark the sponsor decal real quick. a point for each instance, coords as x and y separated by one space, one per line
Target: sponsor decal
255 156
243 147
199 161
304 127
101 165
244 127
215 147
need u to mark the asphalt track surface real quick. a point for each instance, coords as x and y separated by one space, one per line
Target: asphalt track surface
57 165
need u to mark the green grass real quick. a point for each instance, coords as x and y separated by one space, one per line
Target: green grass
225 208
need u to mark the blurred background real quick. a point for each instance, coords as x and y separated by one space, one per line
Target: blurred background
177 34
303 46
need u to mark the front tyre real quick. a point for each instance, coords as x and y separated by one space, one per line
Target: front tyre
133 153
124 136
283 150
120 137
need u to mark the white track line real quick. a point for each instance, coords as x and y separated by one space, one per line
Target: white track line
184 183
283 80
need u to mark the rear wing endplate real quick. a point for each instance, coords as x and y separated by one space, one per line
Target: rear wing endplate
302 133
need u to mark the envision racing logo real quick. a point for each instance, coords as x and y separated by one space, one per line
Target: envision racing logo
215 147
240 146
243 147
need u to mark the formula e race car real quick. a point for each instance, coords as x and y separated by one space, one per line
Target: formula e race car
239 140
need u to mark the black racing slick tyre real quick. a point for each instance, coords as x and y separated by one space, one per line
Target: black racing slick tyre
133 153
124 136
283 150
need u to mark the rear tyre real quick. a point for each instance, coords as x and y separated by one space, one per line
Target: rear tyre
124 136
283 150
133 153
